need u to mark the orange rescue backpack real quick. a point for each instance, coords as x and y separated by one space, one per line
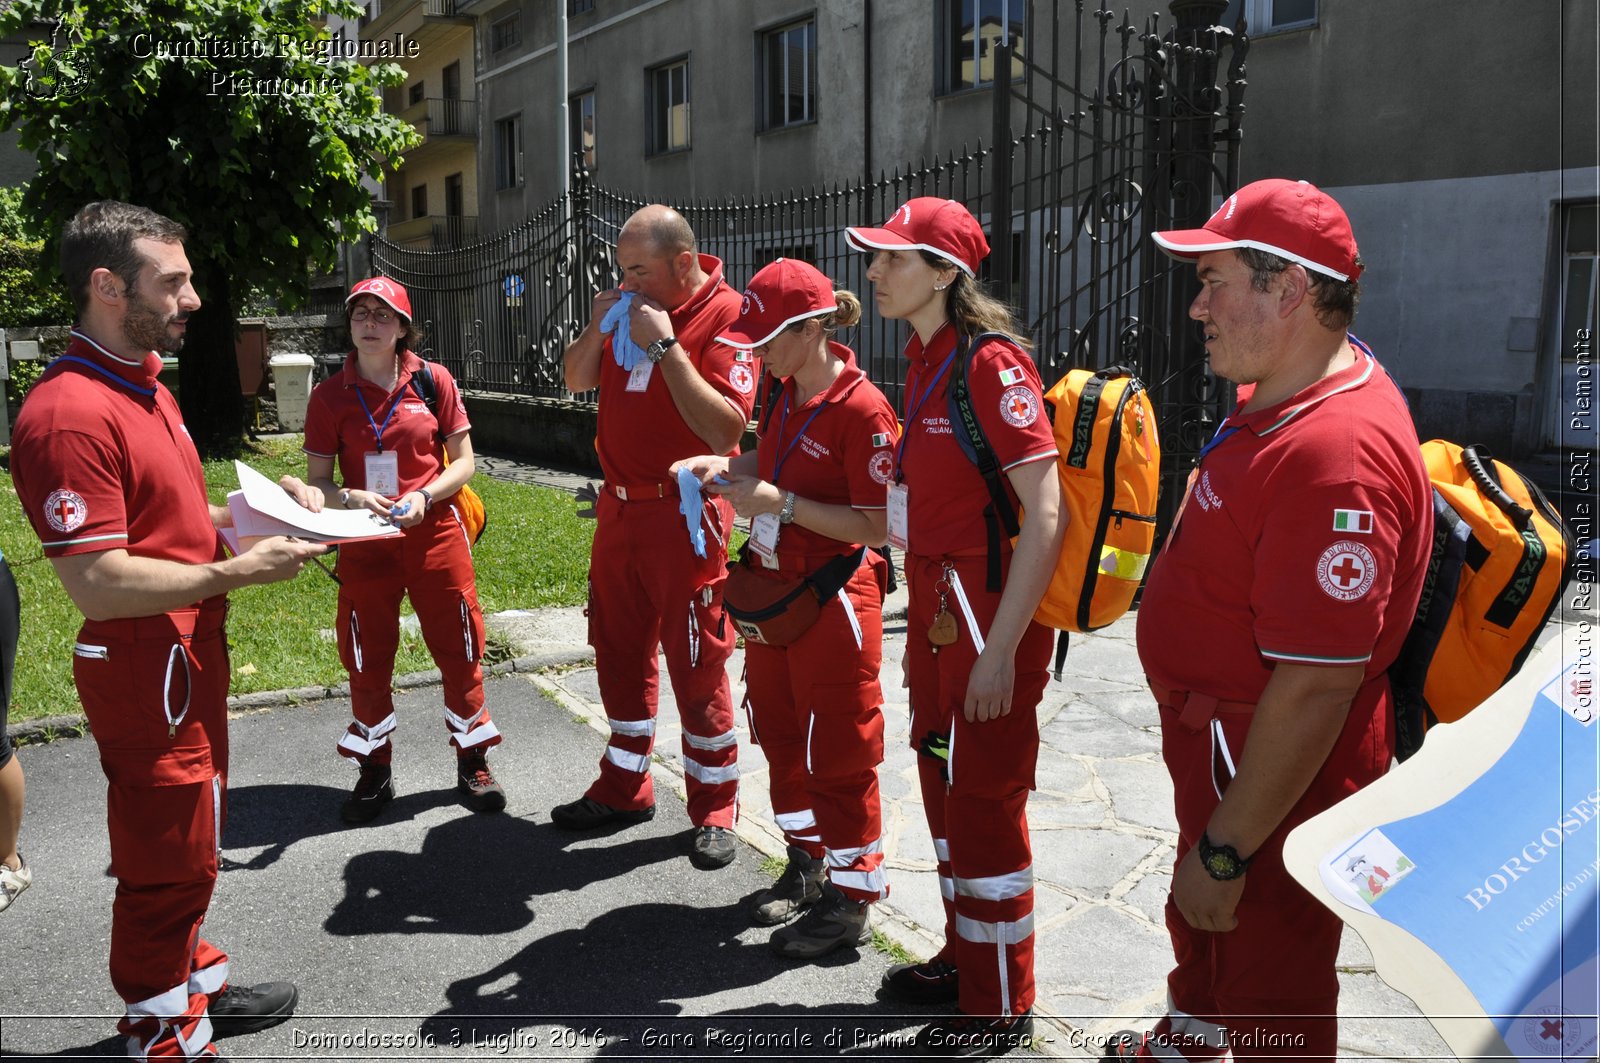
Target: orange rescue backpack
466 500
1109 463
1495 575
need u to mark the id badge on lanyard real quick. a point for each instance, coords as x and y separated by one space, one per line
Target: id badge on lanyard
764 528
383 473
899 516
639 379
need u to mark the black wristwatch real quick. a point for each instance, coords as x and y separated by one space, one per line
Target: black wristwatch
1222 862
658 349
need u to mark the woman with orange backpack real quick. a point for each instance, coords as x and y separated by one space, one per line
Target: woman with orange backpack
808 599
382 418
976 661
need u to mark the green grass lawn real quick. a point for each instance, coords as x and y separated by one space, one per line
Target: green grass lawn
535 552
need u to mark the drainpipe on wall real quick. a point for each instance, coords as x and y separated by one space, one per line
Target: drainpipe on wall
563 121
866 88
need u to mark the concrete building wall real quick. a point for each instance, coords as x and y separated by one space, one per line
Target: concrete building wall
1454 134
878 103
1421 91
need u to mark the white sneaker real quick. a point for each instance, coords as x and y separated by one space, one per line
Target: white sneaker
13 881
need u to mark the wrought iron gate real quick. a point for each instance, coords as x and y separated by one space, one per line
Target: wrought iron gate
1105 132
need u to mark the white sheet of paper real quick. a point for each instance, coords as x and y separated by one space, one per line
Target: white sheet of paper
261 507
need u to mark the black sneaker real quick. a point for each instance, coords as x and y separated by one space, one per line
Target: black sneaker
476 782
250 1009
798 888
934 981
833 922
374 789
1124 1044
588 814
712 848
974 1036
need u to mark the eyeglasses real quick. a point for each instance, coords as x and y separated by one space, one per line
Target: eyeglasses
382 317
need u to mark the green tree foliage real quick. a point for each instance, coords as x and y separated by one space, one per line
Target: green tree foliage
29 294
236 118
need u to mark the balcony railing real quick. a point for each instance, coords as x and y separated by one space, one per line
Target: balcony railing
452 118
434 231
430 8
453 230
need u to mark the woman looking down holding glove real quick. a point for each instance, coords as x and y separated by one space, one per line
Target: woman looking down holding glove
373 420
814 491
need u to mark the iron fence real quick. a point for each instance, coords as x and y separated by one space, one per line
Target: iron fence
1123 130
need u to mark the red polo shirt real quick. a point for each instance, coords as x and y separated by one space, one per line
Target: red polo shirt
347 412
101 460
1304 538
836 448
640 434
947 493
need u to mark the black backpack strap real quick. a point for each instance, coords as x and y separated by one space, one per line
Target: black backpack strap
830 579
422 383
999 512
773 388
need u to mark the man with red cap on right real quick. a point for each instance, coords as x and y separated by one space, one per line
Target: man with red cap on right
1283 593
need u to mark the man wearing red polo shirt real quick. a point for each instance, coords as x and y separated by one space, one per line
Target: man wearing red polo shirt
683 394
105 471
1282 595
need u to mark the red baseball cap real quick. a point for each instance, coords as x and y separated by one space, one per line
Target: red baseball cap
781 293
386 290
928 223
1293 219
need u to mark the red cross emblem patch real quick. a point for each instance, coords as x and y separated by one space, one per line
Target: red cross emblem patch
1019 407
881 466
1346 570
65 510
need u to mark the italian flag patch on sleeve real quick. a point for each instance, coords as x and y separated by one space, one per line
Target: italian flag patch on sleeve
1353 520
881 439
1010 376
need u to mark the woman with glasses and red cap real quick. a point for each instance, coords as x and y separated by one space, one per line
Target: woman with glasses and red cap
374 419
814 492
975 659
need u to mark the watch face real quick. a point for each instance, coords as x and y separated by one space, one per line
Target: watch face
1221 862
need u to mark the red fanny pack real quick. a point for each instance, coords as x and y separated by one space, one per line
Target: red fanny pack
777 612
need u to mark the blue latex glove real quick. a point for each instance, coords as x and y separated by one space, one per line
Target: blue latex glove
615 324
691 506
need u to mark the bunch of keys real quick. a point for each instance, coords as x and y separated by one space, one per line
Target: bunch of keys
942 632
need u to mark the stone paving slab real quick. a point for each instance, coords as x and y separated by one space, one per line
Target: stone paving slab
1103 834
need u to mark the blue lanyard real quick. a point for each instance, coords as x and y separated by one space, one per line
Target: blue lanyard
1224 430
783 419
109 374
911 417
377 430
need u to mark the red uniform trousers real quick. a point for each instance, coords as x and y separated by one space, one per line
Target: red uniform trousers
976 801
1268 988
432 563
648 588
158 709
816 710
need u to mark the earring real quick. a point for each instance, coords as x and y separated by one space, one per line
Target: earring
940 287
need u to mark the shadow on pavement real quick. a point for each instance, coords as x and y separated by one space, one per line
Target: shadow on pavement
514 860
276 815
648 958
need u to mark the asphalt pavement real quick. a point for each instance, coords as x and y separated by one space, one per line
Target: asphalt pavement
438 933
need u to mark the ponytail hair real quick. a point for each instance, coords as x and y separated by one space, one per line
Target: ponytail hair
848 313
972 310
